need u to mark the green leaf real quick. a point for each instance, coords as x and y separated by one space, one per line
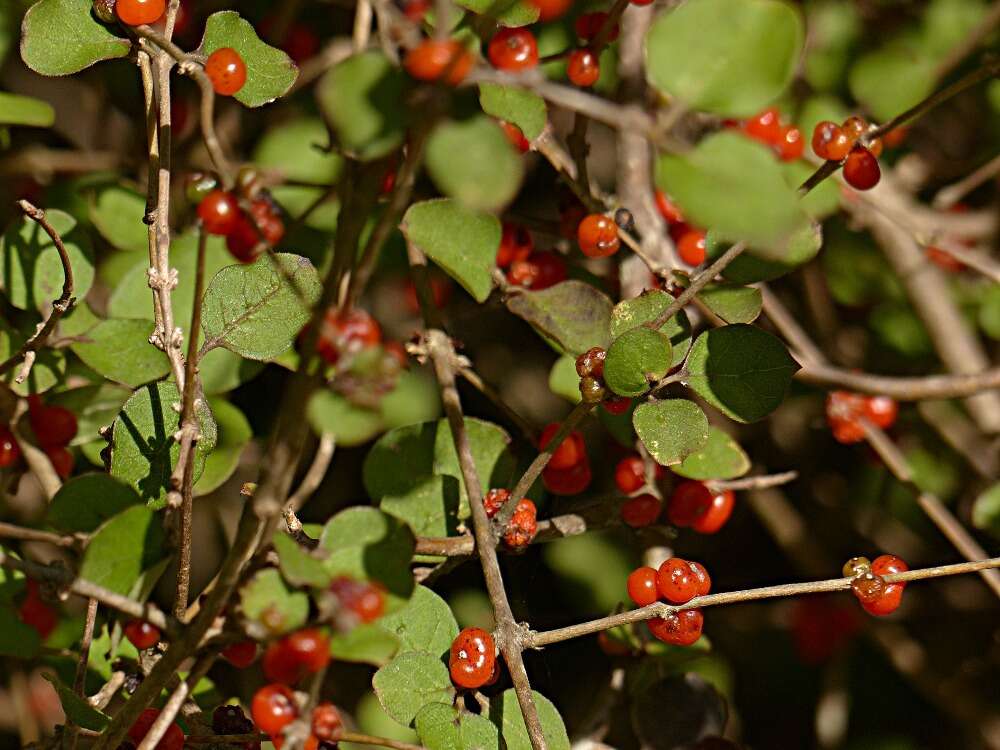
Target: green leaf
505 12
411 681
221 370
631 313
892 79
430 508
732 303
233 433
17 639
749 268
573 314
350 424
740 370
368 545
721 458
25 110
365 644
986 510
820 202
270 72
523 108
760 207
59 37
443 727
298 566
143 449
424 624
48 371
594 565
296 151
77 709
464 242
31 273
671 430
122 548
373 720
833 30
947 23
564 380
415 399
489 173
505 712
734 70
117 213
85 502
635 359
255 310
119 349
267 600
362 98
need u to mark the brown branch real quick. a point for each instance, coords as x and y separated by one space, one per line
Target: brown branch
698 283
10 531
79 678
660 609
949 195
761 482
175 701
901 389
314 474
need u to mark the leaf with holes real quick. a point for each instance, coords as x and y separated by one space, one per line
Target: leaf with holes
444 727
636 359
120 351
489 172
732 303
523 108
267 600
81 40
122 548
505 712
671 430
720 458
573 315
411 681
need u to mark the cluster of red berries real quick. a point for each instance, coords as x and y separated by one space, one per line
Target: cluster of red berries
141 634
274 707
641 509
523 523
568 471
784 139
248 232
437 59
689 240
345 333
590 368
10 451
35 613
877 597
172 739
525 266
289 659
54 428
843 143
472 659
240 654
845 412
677 581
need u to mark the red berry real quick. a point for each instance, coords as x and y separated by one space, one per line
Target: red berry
472 658
702 577
513 49
280 665
62 461
244 240
219 212
597 235
10 451
300 43
523 525
141 634
273 708
366 600
714 516
630 474
678 628
415 10
612 646
691 247
844 411
821 627
589 25
549 10
616 404
887 603
944 260
172 739
311 648
861 170
642 2
570 481
140 12
515 244
53 426
830 142
694 505
570 452
37 614
495 500
885 565
677 582
641 510
668 209
764 127
854 128
433 59
268 219
642 587
881 410
582 68
347 332
895 137
515 136
226 70
327 726
789 145
591 363
540 271
876 596
241 654
569 219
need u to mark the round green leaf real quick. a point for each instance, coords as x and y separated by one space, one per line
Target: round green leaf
892 79
647 307
750 268
125 546
574 315
295 150
117 213
85 502
833 29
362 98
234 433
415 399
489 172
523 108
741 370
671 430
59 37
462 241
430 508
270 72
364 644
269 601
349 423
443 727
505 712
732 303
728 57
255 310
721 458
25 110
31 273
635 359
424 624
120 351
564 380
411 681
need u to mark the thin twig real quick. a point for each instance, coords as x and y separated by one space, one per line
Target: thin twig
173 705
949 195
698 283
10 531
761 482
901 389
79 679
315 473
471 376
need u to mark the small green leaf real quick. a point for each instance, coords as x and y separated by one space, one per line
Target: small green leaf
121 549
59 37
986 510
221 371
297 565
296 150
270 72
411 681
31 273
143 449
523 108
443 727
85 502
256 310
489 172
25 110
233 433
119 349
464 242
424 624
742 65
364 644
430 508
362 98
740 370
721 458
750 267
892 78
77 709
671 430
505 712
268 600
350 424
631 313
564 380
118 213
506 12
732 303
635 359
574 315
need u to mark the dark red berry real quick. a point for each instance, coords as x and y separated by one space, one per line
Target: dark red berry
244 240
513 49
495 500
141 634
694 504
597 236
219 212
570 481
241 654
273 708
347 332
523 525
327 725
570 452
642 588
62 461
36 613
616 404
472 658
668 209
550 10
591 363
415 10
172 739
641 510
582 68
10 451
630 474
433 59
139 12
515 244
589 25
861 170
268 220
677 582
679 628
311 648
226 70
540 271
54 426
